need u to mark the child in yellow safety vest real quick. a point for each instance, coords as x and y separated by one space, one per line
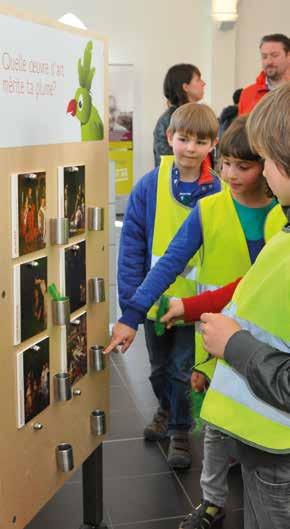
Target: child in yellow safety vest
253 336
230 229
157 207
249 395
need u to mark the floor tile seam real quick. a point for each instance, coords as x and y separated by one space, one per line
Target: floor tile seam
120 363
143 415
136 412
163 453
141 438
172 472
126 385
127 524
149 475
162 450
119 372
130 383
183 489
124 439
190 471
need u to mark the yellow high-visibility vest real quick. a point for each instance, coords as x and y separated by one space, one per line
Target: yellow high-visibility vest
261 305
170 215
224 253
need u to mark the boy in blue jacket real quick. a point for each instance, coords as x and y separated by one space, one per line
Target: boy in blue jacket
158 205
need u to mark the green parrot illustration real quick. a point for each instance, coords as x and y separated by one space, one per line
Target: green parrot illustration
92 127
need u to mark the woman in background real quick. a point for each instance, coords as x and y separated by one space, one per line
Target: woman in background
182 84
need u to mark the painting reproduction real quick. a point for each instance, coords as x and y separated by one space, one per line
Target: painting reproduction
30 299
77 348
75 275
28 208
71 197
33 381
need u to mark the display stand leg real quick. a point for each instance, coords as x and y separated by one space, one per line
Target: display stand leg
93 490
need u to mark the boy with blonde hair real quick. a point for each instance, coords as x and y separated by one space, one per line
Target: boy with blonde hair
249 396
157 207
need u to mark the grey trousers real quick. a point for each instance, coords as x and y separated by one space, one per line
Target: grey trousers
218 449
267 497
266 488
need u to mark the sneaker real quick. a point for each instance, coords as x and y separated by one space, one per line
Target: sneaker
179 455
205 516
157 429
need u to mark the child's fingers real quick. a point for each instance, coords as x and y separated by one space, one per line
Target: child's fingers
113 345
168 316
176 310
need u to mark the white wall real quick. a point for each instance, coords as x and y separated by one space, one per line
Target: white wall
151 34
257 18
223 62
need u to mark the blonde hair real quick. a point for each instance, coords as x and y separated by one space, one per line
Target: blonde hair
268 126
195 120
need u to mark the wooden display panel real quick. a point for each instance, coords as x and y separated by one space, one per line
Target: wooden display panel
29 474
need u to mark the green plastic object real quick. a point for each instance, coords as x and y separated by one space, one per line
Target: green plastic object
162 309
53 292
197 400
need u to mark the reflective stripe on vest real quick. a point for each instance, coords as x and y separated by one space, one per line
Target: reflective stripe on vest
260 305
236 387
245 423
225 254
255 330
188 272
170 215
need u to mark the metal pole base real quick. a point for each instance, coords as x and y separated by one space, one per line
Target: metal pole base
93 490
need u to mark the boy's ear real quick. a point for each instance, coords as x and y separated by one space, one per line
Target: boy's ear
213 144
169 135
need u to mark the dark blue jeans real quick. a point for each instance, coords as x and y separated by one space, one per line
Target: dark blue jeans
172 357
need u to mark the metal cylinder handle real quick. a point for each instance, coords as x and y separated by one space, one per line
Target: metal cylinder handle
62 387
96 290
64 457
60 311
59 230
97 358
95 219
98 422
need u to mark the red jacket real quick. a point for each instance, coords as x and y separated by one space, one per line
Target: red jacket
208 301
252 94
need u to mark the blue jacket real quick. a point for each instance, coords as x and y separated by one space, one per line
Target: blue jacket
137 235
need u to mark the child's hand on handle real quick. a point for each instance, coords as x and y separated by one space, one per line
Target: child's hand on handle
123 336
175 312
216 331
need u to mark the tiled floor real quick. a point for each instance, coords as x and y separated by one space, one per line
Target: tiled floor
139 490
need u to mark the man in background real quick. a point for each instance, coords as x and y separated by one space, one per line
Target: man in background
275 55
